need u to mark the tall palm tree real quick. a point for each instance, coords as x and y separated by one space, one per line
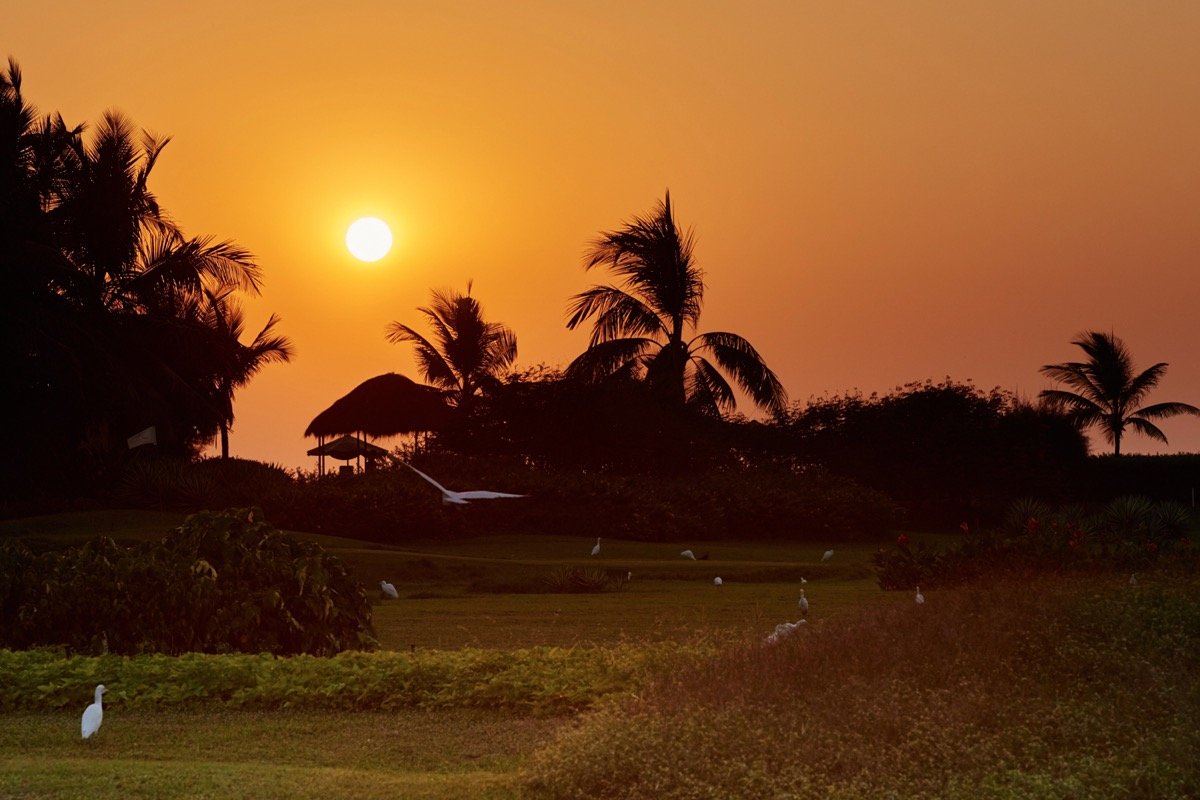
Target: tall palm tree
467 354
1107 393
640 326
224 316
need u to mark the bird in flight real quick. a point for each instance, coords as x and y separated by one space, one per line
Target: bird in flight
389 589
460 498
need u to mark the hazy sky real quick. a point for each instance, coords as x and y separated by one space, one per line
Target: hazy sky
881 192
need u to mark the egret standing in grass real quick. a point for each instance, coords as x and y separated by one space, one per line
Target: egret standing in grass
717 581
920 597
596 547
389 590
803 604
93 715
828 555
688 554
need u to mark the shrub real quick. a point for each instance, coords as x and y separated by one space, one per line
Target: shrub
223 581
1127 533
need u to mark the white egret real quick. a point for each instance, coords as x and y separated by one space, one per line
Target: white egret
93 715
784 630
628 576
920 597
460 498
596 549
389 589
717 581
803 581
828 555
803 604
688 554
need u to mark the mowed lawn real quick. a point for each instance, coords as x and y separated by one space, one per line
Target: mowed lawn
487 592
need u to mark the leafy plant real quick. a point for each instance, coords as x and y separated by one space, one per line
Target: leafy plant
223 581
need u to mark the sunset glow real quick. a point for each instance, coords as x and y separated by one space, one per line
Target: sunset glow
880 193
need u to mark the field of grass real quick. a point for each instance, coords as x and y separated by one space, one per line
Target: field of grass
1047 689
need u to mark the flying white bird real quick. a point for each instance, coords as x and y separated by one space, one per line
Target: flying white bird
596 549
803 604
828 555
93 715
460 498
688 554
803 581
389 589
920 597
717 581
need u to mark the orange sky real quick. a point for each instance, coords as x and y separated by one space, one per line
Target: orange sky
882 192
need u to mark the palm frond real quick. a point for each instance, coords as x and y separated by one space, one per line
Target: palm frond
708 391
1146 429
1164 410
739 358
429 360
606 358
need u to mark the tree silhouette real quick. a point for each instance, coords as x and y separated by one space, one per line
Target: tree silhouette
102 325
1107 393
467 354
640 326
224 316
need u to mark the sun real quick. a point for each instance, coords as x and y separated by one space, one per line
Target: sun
368 239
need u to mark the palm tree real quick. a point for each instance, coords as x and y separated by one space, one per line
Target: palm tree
223 316
467 354
1107 392
640 326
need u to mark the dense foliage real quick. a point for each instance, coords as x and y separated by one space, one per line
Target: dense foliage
112 320
1028 689
541 679
222 582
1128 533
946 452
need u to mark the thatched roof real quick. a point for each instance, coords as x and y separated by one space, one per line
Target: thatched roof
383 406
348 447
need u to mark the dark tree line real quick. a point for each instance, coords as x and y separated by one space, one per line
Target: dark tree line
112 319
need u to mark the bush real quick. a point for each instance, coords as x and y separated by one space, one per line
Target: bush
1127 533
222 582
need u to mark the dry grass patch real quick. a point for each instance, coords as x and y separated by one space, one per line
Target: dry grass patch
1047 688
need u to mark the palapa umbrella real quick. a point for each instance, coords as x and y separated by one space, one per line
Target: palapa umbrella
382 406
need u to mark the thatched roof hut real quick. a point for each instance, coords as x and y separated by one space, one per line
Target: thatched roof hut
385 405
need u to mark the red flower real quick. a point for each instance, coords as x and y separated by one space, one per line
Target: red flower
902 539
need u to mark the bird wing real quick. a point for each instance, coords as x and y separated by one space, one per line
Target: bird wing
483 494
440 488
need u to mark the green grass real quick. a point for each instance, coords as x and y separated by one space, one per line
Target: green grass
296 754
445 605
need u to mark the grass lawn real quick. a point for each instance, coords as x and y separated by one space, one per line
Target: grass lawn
480 593
300 754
